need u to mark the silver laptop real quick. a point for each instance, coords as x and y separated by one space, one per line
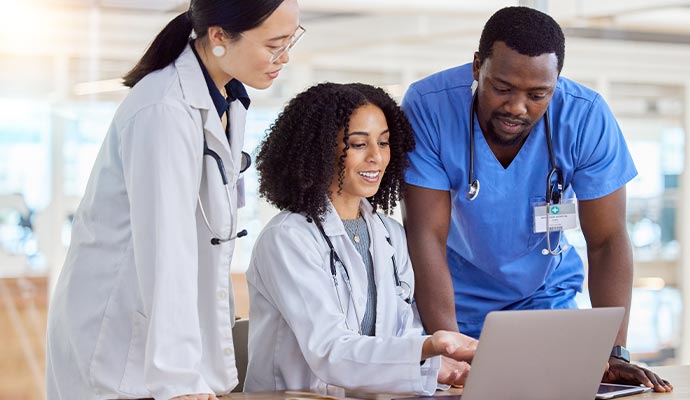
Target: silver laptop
542 354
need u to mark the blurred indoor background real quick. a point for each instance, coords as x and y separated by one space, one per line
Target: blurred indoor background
61 62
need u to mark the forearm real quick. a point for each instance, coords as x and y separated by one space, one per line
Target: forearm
434 295
427 233
610 279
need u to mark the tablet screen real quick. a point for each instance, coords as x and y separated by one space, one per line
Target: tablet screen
609 391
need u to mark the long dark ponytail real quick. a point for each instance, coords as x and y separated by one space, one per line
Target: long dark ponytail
234 16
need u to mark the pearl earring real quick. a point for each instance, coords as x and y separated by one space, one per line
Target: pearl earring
218 51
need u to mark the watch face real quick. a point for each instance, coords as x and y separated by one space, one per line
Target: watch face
620 352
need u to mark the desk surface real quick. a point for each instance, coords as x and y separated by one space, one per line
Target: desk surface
679 376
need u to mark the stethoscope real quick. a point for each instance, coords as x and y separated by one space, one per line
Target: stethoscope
245 163
402 288
553 189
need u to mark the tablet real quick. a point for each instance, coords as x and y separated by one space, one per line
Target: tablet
609 390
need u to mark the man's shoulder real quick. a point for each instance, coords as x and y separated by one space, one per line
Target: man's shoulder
571 90
455 78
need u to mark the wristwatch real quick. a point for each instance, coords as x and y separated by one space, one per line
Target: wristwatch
620 353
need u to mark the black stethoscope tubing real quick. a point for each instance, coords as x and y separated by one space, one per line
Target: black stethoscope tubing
245 163
553 191
334 258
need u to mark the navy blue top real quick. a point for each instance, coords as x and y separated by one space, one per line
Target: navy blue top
234 88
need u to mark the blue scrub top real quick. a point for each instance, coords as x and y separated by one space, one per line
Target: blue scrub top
495 258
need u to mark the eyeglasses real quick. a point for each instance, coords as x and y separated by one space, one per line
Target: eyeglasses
278 52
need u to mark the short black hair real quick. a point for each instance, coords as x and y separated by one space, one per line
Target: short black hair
528 31
297 159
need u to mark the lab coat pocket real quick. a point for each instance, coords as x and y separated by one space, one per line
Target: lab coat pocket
405 317
133 376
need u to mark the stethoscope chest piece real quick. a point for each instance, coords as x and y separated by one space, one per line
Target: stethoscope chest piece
473 190
217 237
404 291
553 190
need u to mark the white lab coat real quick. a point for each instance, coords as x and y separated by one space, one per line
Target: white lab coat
298 337
144 304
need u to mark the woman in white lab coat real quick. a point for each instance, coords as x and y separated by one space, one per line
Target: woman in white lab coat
330 280
143 306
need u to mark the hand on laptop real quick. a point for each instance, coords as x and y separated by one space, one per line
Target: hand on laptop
453 372
450 344
619 371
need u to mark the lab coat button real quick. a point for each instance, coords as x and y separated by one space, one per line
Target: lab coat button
227 351
222 295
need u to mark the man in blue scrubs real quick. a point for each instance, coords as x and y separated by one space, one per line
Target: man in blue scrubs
473 255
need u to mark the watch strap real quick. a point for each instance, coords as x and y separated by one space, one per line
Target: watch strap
620 353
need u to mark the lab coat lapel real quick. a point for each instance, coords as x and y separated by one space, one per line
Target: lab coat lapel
211 191
352 262
216 140
237 117
382 252
196 94
192 80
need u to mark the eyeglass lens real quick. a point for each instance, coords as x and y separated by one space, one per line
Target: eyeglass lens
291 43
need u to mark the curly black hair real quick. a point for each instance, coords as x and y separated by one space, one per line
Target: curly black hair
528 31
297 159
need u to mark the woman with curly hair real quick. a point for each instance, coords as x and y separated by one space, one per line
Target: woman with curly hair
330 280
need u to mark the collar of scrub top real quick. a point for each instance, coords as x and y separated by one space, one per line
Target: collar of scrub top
234 88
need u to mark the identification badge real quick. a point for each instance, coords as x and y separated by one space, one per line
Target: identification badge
561 217
240 193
